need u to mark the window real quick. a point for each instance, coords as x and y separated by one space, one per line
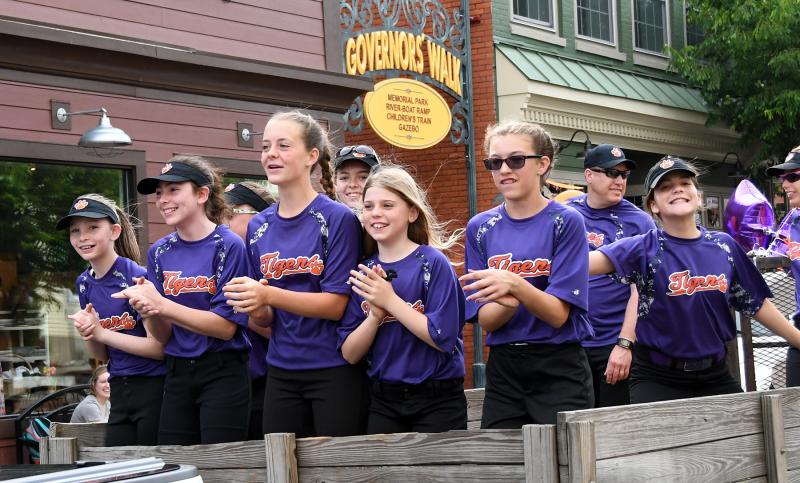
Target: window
595 19
650 24
537 11
694 32
39 348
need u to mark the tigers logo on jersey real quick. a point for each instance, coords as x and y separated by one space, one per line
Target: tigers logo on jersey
595 239
174 284
794 250
274 267
118 322
418 306
683 283
523 268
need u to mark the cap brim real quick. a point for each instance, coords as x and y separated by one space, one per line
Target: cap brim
64 222
148 186
654 183
611 163
369 160
779 169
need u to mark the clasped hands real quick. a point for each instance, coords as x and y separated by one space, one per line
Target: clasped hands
492 285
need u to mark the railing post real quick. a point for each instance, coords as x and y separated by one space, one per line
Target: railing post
539 447
774 440
281 458
58 451
581 450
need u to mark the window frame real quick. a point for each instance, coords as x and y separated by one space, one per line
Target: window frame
613 21
686 25
667 31
553 27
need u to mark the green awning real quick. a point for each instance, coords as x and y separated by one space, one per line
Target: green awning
584 76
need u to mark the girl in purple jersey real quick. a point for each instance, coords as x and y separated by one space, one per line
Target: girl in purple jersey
414 308
207 386
687 278
302 249
102 234
528 263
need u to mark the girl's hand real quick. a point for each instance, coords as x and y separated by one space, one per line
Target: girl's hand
247 295
370 284
87 322
144 297
491 285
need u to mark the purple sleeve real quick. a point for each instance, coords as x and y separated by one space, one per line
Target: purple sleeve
151 270
629 257
748 289
569 272
81 295
444 305
473 260
235 265
353 317
344 246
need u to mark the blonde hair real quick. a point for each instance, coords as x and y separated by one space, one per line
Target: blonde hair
540 139
314 136
98 371
426 229
651 192
126 245
216 208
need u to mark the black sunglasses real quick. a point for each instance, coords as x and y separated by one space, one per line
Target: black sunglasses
513 162
612 172
791 177
360 149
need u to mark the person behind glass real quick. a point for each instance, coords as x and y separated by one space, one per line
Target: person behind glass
96 407
207 386
408 309
103 235
789 173
351 167
612 306
247 199
688 279
527 282
303 248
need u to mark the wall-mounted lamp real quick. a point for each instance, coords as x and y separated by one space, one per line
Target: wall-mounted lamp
587 145
245 134
103 136
738 171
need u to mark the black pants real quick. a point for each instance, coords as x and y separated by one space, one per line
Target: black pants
430 407
206 399
257 408
605 394
135 411
530 384
319 402
651 382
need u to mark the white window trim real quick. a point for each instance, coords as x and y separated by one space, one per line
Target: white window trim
533 22
668 30
528 27
614 33
648 59
601 49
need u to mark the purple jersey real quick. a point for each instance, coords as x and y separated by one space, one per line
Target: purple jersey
793 252
425 281
258 354
312 252
607 297
549 251
118 315
192 273
686 289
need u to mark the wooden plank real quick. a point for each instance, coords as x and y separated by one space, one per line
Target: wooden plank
242 454
774 441
58 451
88 434
443 474
582 463
281 462
631 429
474 406
492 446
539 443
231 475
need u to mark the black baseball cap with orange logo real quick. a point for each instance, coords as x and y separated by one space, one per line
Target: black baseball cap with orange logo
665 165
175 172
87 208
791 163
606 156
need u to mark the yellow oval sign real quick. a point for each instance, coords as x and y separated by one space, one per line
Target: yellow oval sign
407 113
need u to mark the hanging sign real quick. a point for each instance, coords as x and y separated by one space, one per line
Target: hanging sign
407 113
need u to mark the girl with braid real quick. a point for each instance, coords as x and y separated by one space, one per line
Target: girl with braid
301 250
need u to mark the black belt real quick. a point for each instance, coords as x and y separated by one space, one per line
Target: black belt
686 365
426 387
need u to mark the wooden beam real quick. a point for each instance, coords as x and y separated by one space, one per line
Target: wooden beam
774 440
281 459
582 461
87 434
58 451
539 446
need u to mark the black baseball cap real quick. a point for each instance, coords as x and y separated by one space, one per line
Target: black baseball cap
174 172
362 153
606 156
87 208
665 165
791 163
238 194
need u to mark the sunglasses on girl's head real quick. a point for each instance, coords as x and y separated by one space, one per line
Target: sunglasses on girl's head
360 149
612 172
513 162
791 177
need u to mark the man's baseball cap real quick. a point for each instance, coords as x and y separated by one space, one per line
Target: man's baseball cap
606 156
87 208
362 153
791 163
174 172
238 194
665 165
